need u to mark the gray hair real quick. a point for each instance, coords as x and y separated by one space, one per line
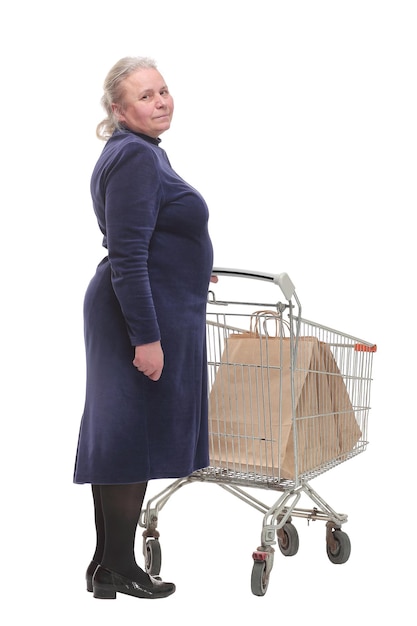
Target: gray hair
113 91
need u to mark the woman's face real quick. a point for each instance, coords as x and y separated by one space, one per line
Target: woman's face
147 104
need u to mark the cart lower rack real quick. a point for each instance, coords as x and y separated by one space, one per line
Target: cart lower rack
289 399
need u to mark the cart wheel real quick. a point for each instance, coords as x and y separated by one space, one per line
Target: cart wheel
288 540
341 552
153 557
260 578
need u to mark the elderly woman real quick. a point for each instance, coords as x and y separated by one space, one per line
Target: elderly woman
145 414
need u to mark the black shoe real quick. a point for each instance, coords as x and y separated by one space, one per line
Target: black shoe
107 583
89 574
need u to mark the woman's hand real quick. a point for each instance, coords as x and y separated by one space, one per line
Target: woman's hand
214 278
149 359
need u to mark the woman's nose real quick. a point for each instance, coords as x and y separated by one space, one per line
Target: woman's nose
160 102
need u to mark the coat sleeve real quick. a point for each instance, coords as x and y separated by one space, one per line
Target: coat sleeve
132 199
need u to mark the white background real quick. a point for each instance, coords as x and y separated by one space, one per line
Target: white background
297 122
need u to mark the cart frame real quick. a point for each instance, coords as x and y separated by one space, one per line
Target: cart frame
236 477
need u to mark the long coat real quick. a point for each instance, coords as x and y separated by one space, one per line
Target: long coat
152 286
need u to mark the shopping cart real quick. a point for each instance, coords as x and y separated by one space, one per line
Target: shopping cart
289 400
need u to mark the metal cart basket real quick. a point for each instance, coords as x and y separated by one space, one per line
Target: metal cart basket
288 401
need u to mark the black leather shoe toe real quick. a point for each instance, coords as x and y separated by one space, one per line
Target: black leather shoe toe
106 584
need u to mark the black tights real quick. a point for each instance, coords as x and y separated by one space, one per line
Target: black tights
116 510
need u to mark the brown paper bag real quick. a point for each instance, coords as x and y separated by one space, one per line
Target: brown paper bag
326 426
251 420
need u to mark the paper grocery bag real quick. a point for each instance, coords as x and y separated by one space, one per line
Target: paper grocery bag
252 426
325 422
348 430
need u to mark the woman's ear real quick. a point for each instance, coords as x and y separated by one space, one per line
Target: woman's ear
117 112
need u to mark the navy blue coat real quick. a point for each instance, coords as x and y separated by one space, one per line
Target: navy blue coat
152 285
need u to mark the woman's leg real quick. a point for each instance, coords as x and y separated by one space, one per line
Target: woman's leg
99 522
121 506
118 508
100 537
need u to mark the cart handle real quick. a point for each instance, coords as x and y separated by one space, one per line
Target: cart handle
282 280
